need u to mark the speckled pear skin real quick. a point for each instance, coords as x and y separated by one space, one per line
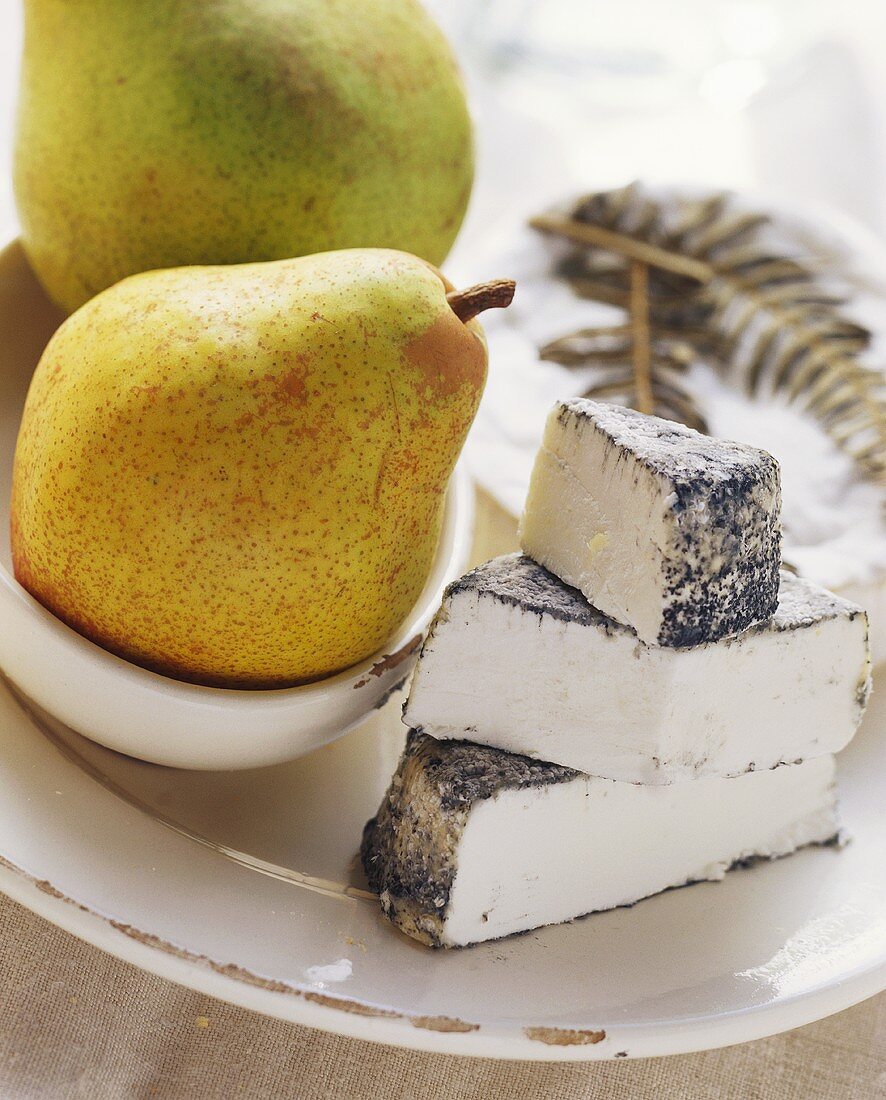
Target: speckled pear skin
154 135
236 475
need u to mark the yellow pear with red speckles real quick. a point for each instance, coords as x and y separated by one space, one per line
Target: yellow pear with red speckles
236 475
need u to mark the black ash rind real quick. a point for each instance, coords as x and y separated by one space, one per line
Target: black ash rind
722 577
517 580
409 848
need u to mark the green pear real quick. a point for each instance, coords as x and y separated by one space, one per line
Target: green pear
160 133
236 475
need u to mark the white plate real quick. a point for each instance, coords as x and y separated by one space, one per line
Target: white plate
139 712
244 885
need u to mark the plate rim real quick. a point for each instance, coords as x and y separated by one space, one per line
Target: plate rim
362 1020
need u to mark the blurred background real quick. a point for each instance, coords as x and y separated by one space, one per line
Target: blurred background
784 95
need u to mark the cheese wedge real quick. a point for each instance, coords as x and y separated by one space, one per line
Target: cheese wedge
664 529
472 843
519 660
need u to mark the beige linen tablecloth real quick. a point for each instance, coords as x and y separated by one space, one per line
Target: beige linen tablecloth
76 1023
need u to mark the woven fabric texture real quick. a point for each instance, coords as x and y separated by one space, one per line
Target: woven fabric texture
76 1023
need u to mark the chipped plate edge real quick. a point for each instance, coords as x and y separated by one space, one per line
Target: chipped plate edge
361 1020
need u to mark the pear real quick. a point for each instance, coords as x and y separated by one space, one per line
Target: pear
164 133
236 475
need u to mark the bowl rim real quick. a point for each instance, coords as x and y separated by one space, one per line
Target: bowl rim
458 521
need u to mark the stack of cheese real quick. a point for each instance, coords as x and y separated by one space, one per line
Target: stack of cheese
640 700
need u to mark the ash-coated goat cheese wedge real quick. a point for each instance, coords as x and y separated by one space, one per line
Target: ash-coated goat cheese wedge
518 660
664 529
472 843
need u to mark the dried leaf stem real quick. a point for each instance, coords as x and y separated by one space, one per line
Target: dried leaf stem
598 237
640 344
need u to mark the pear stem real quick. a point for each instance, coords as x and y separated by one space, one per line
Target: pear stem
496 294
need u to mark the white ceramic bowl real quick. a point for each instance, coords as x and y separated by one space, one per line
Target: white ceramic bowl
146 715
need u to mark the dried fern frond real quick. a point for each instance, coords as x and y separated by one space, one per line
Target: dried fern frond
608 352
768 322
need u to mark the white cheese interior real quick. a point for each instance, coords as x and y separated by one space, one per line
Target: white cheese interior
543 855
590 696
608 544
